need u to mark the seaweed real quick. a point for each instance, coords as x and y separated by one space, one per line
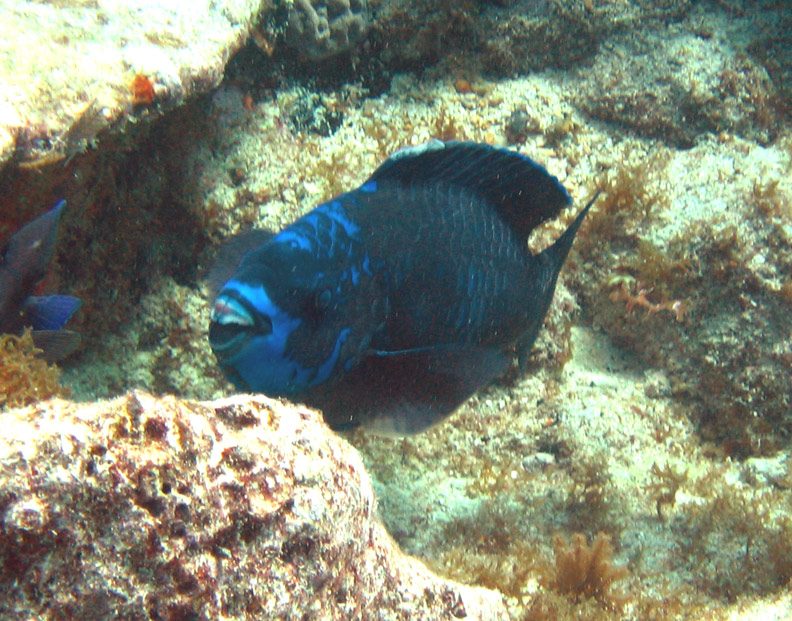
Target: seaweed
587 571
507 571
770 201
76 139
446 127
24 377
587 503
561 128
631 186
665 487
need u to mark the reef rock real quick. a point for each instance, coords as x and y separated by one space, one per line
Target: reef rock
147 508
70 69
320 29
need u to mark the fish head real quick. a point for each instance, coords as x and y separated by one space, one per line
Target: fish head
290 320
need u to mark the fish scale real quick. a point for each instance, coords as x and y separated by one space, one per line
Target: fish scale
391 304
468 252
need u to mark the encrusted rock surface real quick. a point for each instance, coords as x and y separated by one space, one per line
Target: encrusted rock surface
145 508
69 68
323 28
508 37
639 83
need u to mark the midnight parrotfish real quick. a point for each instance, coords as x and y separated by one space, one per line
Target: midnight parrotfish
22 267
390 305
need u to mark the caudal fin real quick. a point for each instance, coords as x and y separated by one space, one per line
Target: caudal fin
548 265
51 312
556 254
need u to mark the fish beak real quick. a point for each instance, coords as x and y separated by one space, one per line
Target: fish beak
227 310
231 326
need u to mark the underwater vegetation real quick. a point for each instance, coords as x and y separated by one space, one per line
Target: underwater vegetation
578 575
25 377
586 570
711 298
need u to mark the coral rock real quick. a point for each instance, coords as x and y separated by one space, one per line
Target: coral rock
159 508
323 28
72 69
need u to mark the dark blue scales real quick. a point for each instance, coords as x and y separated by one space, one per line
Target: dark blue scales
390 305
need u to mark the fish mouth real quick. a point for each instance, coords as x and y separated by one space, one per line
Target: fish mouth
234 322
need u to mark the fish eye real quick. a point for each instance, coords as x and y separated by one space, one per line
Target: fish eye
323 299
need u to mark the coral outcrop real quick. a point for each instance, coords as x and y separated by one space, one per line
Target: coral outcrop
322 28
635 85
508 37
165 509
71 69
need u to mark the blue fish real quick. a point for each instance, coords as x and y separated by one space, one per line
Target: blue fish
24 261
389 305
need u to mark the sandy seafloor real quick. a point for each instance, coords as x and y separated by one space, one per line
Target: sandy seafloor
601 443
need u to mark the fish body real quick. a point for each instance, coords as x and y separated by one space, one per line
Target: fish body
390 305
23 266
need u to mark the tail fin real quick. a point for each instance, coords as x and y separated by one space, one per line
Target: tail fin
30 248
548 265
557 253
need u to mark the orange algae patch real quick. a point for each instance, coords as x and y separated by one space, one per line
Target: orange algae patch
463 86
584 570
142 90
25 378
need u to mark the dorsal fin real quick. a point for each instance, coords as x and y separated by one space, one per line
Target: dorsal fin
522 192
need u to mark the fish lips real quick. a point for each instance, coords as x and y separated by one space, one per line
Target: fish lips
234 322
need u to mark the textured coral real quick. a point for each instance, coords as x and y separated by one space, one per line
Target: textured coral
322 28
244 508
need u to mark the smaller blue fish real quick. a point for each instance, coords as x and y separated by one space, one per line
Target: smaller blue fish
23 265
389 305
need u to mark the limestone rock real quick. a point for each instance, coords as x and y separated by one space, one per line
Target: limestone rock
509 37
70 69
146 508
